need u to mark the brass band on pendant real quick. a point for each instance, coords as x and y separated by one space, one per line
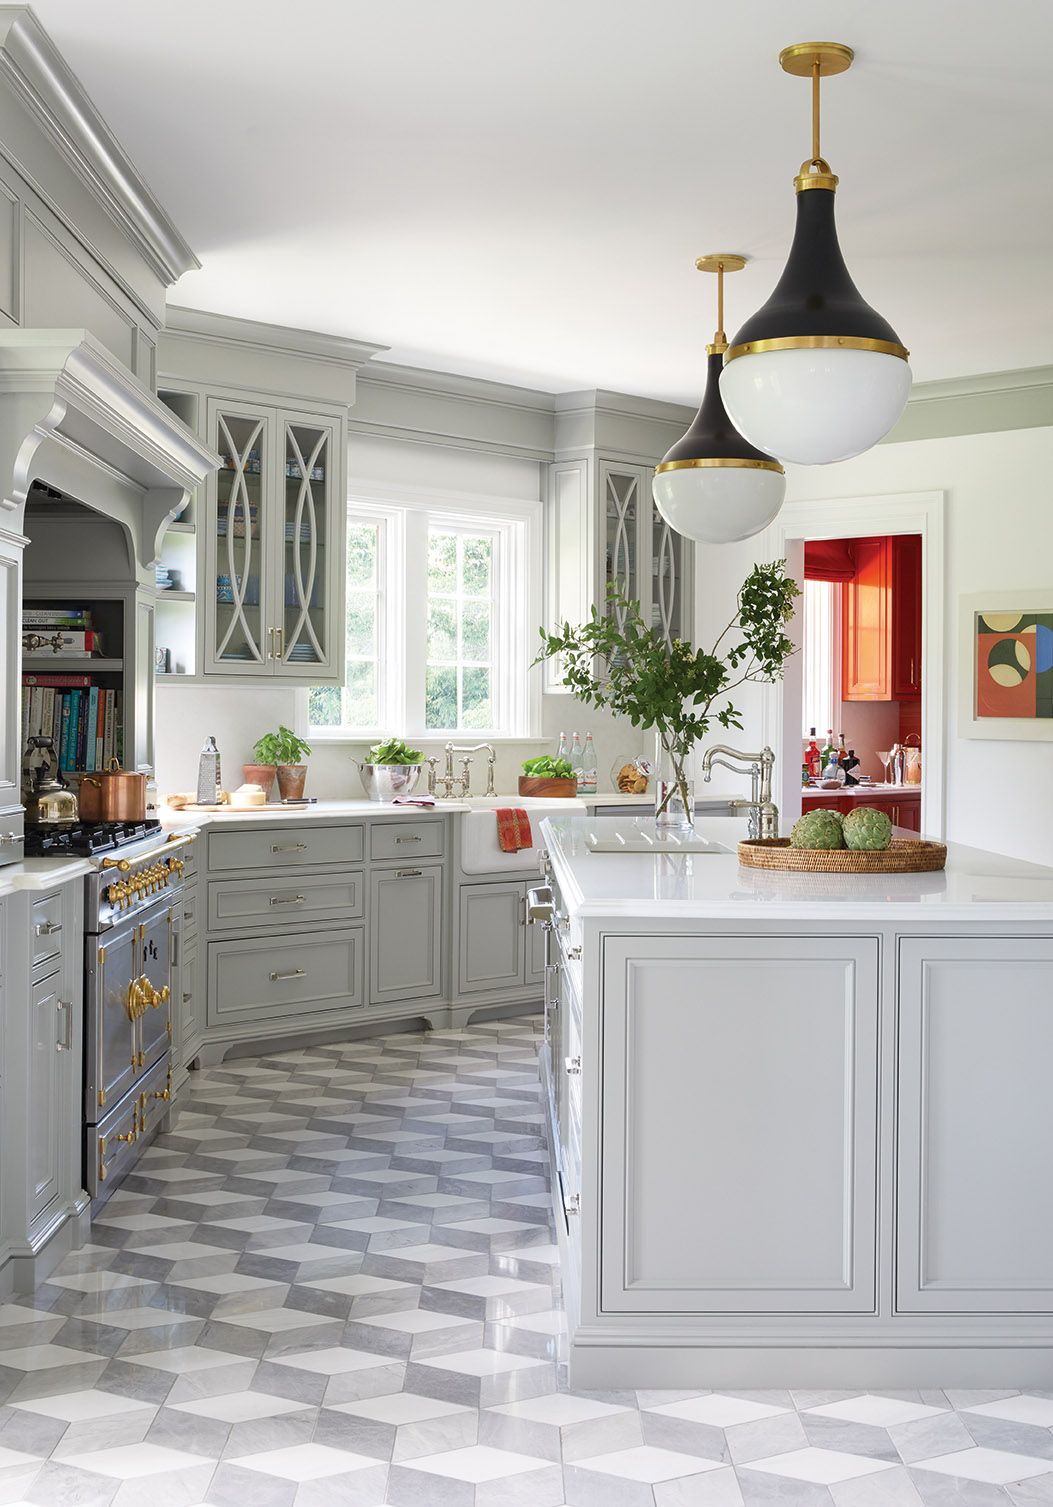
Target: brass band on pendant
728 460
818 343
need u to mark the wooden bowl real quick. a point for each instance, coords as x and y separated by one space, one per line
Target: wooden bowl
546 785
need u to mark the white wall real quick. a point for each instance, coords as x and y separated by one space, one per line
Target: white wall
187 714
999 537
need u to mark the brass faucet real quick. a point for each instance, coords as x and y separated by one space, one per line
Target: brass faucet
763 812
450 780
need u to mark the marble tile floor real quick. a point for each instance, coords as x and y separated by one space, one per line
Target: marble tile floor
334 1284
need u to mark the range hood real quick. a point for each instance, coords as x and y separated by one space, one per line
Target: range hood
74 418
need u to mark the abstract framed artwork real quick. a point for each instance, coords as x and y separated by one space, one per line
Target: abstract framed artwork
1006 660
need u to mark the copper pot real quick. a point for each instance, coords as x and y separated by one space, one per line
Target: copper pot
113 795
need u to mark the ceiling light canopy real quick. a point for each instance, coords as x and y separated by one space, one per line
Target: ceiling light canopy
713 485
815 375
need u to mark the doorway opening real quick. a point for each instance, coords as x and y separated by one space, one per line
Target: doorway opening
862 675
856 672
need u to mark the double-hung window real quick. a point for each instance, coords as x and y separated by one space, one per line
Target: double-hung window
443 603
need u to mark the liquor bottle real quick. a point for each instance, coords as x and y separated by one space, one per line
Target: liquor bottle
842 751
589 771
575 760
813 758
828 748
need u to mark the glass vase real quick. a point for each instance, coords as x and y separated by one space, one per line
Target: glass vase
674 792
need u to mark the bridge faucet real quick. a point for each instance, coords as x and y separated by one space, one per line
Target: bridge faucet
763 812
450 780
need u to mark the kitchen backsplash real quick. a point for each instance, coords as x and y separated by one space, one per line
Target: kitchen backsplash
236 715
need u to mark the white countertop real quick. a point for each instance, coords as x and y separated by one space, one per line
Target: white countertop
858 792
40 873
703 886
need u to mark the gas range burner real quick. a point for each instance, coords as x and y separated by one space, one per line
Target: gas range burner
85 839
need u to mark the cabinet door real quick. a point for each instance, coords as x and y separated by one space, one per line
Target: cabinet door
405 934
738 1145
239 639
309 555
906 617
10 676
46 1108
623 506
975 1040
491 937
668 554
866 624
535 952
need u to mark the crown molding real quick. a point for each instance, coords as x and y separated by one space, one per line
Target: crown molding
275 339
54 96
982 404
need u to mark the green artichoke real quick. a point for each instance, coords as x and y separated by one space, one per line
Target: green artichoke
817 829
867 830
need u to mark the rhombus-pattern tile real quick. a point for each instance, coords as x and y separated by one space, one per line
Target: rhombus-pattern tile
335 1284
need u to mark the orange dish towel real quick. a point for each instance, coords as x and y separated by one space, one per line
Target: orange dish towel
513 829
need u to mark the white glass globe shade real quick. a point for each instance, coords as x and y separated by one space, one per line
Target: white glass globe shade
718 504
815 406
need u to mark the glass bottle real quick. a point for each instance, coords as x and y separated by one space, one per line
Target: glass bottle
828 749
575 760
561 751
589 771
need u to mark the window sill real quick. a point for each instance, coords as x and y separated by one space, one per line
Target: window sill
339 736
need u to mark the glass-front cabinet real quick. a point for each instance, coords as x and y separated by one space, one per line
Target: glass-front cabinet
274 529
602 531
643 556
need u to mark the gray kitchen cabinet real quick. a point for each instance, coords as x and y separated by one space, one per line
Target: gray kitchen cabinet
316 977
975 1124
781 1213
10 688
491 951
496 949
41 1092
405 933
49 1026
603 530
271 585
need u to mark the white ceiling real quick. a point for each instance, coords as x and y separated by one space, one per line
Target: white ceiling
519 191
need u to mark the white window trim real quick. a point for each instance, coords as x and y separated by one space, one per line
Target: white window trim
822 620
520 591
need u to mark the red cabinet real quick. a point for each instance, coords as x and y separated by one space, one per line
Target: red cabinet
902 805
906 618
881 621
866 624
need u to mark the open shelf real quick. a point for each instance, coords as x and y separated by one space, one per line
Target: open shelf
176 596
70 665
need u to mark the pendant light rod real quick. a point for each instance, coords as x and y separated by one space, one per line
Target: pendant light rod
816 60
816 76
720 262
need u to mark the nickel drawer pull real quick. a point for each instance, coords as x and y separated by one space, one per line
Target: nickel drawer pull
289 847
408 873
288 900
66 1044
47 928
293 973
413 837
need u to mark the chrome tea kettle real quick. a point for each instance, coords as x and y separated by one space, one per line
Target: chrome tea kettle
48 800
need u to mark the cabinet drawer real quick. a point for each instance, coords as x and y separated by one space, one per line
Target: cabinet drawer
281 901
284 847
406 840
45 926
259 980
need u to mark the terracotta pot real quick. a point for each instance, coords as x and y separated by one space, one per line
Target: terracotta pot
259 774
291 780
112 795
547 785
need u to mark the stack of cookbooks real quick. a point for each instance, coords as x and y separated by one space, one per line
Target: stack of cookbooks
81 719
58 633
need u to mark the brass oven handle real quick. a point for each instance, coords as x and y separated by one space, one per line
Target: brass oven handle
123 864
288 900
294 973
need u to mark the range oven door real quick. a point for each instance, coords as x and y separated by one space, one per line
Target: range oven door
129 989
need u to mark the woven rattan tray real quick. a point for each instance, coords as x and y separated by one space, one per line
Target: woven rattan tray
906 855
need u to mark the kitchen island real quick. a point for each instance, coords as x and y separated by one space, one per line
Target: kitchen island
800 1124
